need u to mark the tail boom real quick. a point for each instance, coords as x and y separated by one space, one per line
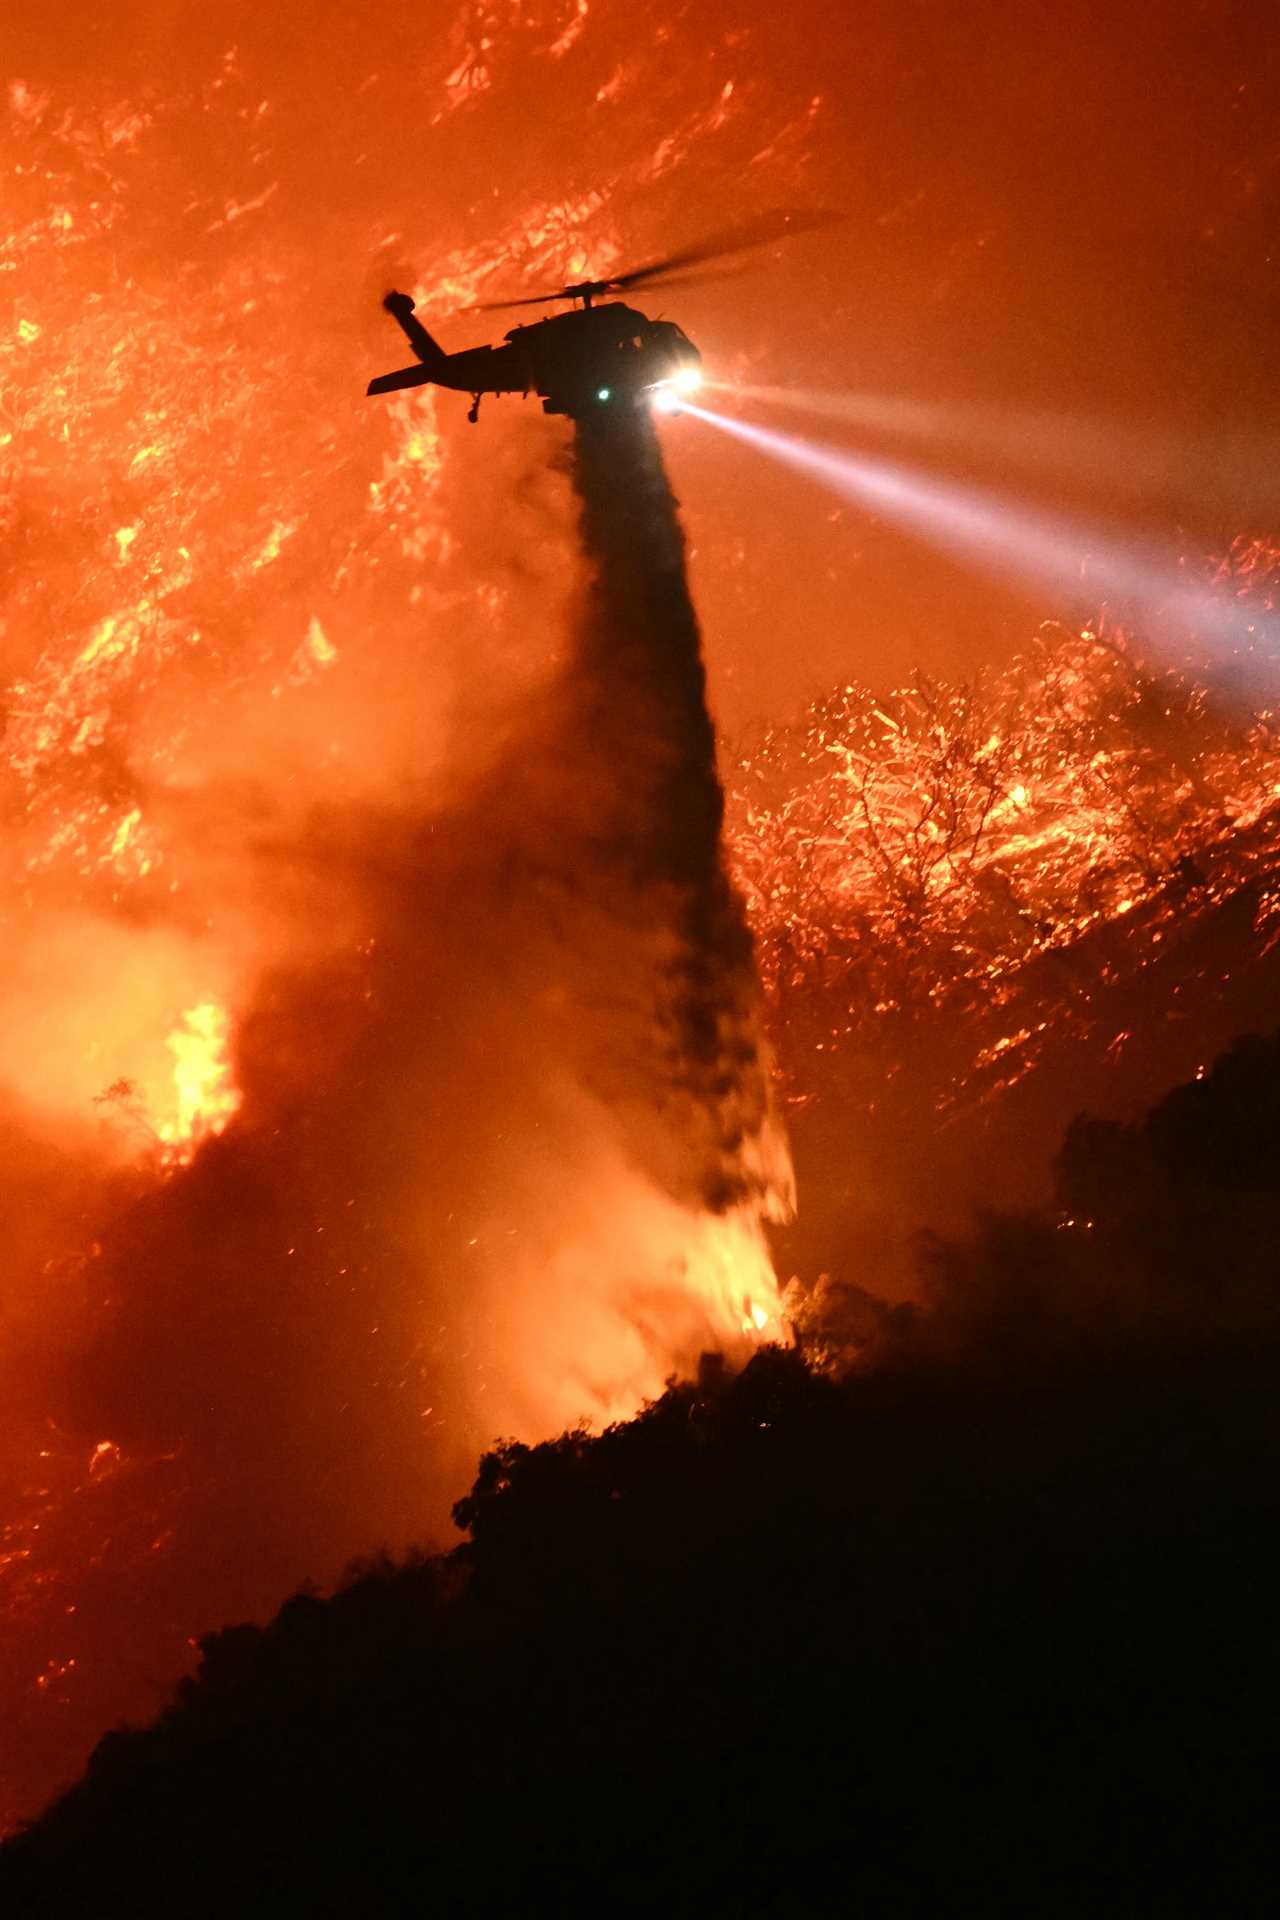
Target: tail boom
401 378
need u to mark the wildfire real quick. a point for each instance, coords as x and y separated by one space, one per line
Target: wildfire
730 1266
230 614
633 1288
950 847
235 611
206 1098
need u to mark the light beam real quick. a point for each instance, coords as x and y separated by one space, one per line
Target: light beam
1135 454
983 526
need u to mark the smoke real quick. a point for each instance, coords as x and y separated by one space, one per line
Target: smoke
1156 1242
504 1149
553 999
294 729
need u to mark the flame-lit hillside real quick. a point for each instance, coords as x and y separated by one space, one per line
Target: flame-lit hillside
982 906
943 846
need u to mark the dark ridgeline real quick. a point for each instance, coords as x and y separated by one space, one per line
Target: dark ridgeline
640 703
985 1627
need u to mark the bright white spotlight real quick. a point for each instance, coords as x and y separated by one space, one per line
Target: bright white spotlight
688 380
665 398
1039 546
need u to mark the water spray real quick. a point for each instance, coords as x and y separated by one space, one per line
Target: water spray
639 662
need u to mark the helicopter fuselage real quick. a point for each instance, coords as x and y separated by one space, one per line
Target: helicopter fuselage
576 362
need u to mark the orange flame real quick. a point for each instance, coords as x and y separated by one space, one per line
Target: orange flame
206 1097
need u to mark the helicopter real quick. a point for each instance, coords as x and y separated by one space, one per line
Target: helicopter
601 353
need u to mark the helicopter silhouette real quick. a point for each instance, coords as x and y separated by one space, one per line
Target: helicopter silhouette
596 355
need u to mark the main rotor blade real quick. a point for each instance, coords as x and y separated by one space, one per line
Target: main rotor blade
765 230
530 300
711 278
